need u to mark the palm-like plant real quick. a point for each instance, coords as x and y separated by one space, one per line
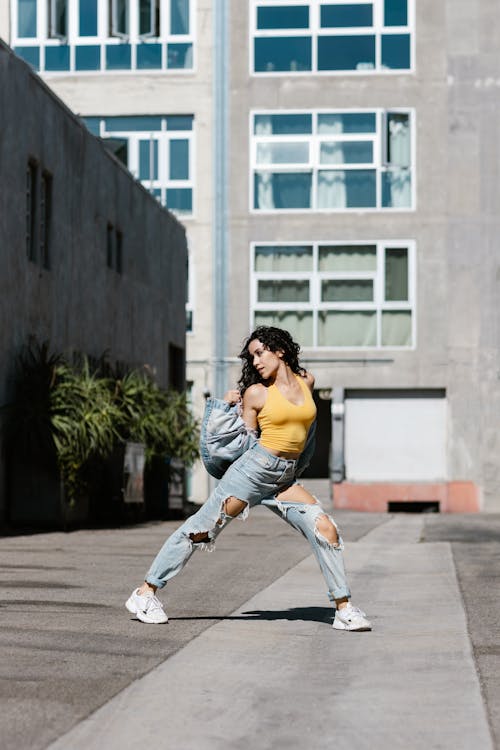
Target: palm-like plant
67 415
161 420
85 421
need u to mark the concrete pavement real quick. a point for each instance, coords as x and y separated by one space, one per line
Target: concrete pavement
249 658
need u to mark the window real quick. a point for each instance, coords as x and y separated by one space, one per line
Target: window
45 217
189 295
332 160
361 36
337 295
114 248
104 35
31 208
157 150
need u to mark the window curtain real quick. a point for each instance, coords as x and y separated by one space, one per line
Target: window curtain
298 323
346 328
179 16
396 328
397 180
332 190
283 258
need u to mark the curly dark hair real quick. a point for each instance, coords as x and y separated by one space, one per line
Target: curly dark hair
274 339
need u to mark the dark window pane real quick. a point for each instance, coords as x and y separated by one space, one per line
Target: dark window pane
138 123
118 147
57 58
180 200
26 18
282 124
396 274
88 17
149 18
149 56
180 56
287 190
283 290
31 55
180 122
396 188
282 54
87 57
179 159
338 16
347 290
93 124
118 57
148 160
348 122
286 17
346 52
346 152
58 19
346 188
395 12
179 16
396 51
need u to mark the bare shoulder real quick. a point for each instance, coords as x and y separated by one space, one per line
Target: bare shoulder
255 396
309 378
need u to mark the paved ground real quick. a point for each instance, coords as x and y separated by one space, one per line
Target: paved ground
248 659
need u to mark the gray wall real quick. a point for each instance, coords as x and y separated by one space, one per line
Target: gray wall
80 304
454 92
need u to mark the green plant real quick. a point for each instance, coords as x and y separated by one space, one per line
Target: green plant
161 420
85 421
64 415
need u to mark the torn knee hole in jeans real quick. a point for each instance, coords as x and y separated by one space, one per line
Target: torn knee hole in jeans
326 520
205 540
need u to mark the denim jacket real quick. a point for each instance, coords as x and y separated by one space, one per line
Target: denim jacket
225 437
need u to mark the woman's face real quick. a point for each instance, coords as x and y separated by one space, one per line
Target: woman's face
264 360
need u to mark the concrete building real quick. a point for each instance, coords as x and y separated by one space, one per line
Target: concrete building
91 262
345 185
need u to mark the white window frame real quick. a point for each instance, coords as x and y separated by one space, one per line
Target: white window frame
316 277
163 138
379 163
315 31
104 38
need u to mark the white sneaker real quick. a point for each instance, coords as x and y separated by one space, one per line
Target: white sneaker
146 607
351 618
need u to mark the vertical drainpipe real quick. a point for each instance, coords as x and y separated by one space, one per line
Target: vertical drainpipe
337 463
220 230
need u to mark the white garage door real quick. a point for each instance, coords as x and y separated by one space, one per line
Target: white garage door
395 439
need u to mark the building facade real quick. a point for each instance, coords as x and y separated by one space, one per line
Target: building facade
92 263
344 185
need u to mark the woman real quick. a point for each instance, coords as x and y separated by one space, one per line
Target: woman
276 399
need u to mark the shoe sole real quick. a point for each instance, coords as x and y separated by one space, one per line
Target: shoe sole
362 629
142 616
134 611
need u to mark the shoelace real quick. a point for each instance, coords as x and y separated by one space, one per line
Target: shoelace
152 604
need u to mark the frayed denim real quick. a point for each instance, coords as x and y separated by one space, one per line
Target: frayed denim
255 478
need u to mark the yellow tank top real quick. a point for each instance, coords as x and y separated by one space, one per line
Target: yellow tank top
283 425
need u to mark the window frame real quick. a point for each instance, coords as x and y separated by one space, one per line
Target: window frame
379 162
379 305
163 137
104 39
315 31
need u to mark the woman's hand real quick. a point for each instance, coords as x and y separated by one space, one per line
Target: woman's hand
232 397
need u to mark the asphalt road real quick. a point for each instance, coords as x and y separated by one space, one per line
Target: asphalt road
68 646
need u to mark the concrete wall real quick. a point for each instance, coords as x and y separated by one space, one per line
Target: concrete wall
80 304
166 93
454 93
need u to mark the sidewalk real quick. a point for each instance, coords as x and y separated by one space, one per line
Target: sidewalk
269 672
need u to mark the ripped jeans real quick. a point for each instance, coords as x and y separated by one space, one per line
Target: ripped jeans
255 478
